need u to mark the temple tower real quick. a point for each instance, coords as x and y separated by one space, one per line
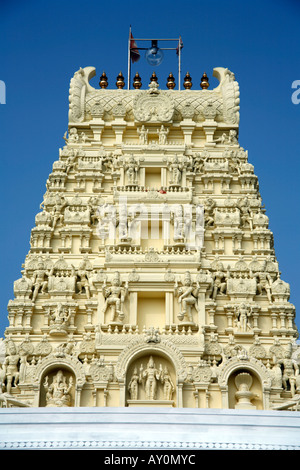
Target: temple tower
152 278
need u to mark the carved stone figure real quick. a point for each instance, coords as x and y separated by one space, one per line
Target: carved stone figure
187 297
162 135
143 135
133 386
40 280
151 375
168 384
246 213
290 372
58 393
209 209
243 313
11 365
83 282
59 318
219 282
132 168
114 297
264 282
175 168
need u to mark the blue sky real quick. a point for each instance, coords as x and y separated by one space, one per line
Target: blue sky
43 43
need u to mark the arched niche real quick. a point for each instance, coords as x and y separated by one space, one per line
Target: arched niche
234 378
138 353
57 388
73 378
151 380
245 390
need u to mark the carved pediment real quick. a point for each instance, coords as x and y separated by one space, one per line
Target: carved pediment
153 105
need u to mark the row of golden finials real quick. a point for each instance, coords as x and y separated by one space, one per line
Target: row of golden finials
137 81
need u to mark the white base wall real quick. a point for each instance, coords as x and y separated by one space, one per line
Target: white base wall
148 428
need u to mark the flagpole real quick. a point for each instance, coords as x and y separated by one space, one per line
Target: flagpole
128 73
179 63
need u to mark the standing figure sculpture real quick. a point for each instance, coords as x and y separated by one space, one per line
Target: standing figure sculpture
143 133
188 297
11 367
176 168
39 280
162 135
290 372
114 297
132 168
133 386
168 385
152 376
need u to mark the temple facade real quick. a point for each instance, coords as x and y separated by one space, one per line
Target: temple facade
151 279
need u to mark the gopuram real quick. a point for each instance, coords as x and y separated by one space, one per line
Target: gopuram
151 279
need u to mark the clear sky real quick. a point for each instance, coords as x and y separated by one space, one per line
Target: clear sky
44 42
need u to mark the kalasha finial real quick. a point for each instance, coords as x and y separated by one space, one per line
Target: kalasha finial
103 81
137 81
120 81
171 82
204 81
153 77
187 81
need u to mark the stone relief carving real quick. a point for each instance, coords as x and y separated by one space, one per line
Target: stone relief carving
114 297
153 106
151 378
187 297
58 392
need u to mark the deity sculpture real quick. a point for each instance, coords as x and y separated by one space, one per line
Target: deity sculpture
168 385
290 372
59 318
57 211
179 223
73 136
143 135
219 284
58 393
209 209
229 139
71 160
175 167
188 297
83 282
40 280
133 385
264 282
11 365
162 135
246 213
151 375
243 312
114 297
132 168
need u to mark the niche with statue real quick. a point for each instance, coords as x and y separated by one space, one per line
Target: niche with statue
151 381
57 389
244 390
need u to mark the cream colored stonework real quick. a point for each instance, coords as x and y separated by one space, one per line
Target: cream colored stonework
152 278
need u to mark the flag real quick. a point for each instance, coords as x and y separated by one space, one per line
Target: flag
180 45
134 52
